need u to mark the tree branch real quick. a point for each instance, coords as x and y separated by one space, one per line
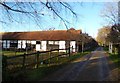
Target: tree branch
67 8
9 8
48 5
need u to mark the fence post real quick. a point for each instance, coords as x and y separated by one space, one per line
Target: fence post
4 62
23 65
41 59
69 51
58 57
37 59
49 58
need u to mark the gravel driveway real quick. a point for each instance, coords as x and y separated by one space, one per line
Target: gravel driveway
95 66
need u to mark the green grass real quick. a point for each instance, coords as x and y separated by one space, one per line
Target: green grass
40 73
114 57
106 49
11 53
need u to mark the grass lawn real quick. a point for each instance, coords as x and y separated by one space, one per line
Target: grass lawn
12 53
114 57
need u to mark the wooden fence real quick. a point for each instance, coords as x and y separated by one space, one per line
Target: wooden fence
35 59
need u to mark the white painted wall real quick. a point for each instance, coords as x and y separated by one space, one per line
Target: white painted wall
4 43
37 47
43 45
24 44
62 46
33 42
28 41
19 43
50 42
72 43
8 43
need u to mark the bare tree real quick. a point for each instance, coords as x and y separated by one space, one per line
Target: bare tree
110 13
35 11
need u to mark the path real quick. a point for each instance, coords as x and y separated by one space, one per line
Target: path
92 67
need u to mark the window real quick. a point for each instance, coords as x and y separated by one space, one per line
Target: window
13 43
38 42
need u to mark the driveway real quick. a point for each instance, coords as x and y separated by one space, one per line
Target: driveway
95 66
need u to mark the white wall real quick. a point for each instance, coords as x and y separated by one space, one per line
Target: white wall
19 43
28 41
37 47
33 42
8 43
4 43
62 46
24 44
43 45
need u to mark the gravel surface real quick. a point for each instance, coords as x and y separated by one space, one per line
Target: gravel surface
95 66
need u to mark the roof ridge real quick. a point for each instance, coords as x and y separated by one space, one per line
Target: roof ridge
38 31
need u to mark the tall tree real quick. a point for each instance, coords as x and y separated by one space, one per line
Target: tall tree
102 36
